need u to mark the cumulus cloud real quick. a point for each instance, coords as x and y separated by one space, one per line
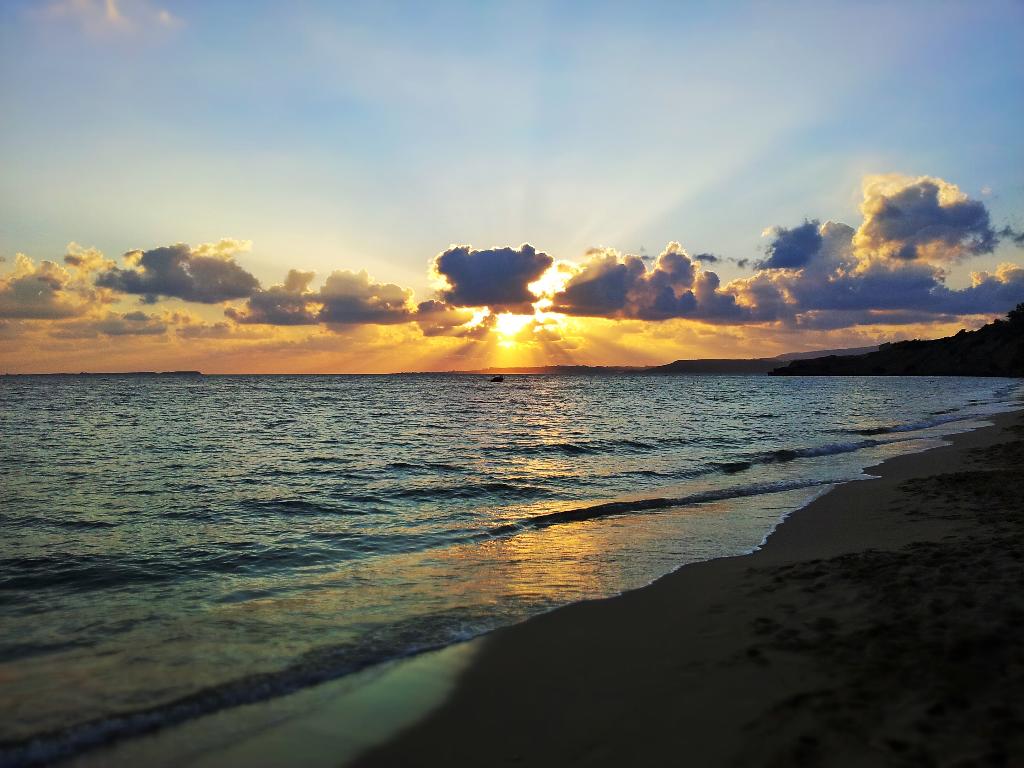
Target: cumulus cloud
834 280
496 277
923 218
792 248
290 303
352 297
345 298
86 260
207 275
612 285
44 292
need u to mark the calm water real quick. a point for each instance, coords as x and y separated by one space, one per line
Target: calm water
172 546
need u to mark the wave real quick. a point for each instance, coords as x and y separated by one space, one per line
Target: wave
577 448
436 466
297 506
86 572
392 641
942 417
472 490
615 508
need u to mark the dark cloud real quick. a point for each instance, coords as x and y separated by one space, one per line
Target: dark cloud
837 319
495 278
602 286
610 285
1013 235
178 271
706 258
290 303
710 258
922 219
792 248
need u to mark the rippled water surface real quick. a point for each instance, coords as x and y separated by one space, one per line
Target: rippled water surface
174 545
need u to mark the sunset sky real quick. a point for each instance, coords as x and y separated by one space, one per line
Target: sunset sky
325 187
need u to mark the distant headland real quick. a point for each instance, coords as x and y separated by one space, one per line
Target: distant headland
114 373
996 349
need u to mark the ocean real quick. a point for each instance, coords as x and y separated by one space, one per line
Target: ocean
176 545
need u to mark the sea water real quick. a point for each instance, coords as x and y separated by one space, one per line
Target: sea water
176 545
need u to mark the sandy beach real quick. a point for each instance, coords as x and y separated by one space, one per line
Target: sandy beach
878 626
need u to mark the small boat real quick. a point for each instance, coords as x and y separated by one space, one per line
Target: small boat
497 378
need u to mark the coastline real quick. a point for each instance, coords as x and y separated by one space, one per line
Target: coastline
678 658
876 625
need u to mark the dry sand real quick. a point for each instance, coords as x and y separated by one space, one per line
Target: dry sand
881 625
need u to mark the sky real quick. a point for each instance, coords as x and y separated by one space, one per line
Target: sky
324 187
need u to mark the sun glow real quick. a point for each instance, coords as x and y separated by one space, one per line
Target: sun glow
553 280
509 325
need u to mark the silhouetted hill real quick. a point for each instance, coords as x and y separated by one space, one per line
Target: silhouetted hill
826 353
746 365
723 366
555 369
996 349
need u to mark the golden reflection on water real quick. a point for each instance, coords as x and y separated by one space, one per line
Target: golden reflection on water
463 589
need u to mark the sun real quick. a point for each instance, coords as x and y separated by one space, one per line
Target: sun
508 326
520 330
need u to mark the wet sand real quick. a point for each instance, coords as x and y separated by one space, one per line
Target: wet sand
881 625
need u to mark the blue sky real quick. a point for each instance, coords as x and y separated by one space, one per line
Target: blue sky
374 135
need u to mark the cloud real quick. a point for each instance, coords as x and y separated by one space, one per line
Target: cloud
1013 235
839 284
112 324
86 260
44 292
497 277
611 285
290 303
435 318
346 298
924 218
792 248
224 248
208 274
352 298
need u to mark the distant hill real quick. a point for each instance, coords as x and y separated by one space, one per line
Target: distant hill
698 366
560 369
723 366
827 353
748 365
996 349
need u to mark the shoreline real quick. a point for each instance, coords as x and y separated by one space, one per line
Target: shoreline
314 715
767 658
